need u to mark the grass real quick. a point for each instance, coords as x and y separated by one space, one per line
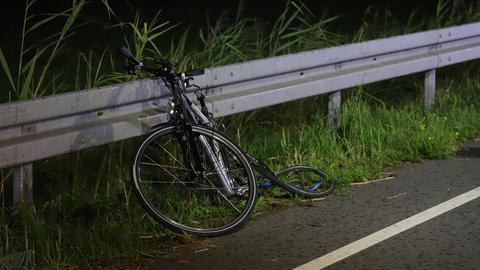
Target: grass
35 60
84 209
372 135
94 215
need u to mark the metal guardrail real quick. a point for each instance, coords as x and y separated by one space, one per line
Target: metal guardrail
55 125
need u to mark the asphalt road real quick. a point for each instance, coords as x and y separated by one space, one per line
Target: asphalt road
292 237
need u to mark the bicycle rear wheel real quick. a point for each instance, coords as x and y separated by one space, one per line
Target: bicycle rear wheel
305 181
193 201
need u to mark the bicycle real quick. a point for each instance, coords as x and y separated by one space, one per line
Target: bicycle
191 177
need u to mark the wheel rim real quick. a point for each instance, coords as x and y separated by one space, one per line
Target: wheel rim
306 180
183 200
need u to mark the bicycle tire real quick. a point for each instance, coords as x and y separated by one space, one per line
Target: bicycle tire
306 181
195 204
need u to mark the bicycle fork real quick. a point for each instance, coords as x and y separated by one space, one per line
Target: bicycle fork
190 148
214 154
216 158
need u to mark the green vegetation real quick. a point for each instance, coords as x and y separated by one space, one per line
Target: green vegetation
373 135
84 210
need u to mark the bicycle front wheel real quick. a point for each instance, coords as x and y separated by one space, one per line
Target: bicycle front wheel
306 181
182 187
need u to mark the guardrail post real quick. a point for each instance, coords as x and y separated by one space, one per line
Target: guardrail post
23 183
429 88
334 100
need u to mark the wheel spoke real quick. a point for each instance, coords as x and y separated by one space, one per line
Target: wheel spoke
165 166
232 170
223 195
153 161
167 182
170 154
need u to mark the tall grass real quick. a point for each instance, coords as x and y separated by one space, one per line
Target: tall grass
84 210
373 136
35 59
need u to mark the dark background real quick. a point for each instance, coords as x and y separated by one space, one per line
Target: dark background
197 12
99 33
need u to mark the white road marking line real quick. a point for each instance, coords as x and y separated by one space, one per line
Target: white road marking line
377 237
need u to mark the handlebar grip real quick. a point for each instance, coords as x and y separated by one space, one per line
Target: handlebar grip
194 72
129 55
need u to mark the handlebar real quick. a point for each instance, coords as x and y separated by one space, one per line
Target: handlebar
165 69
130 56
